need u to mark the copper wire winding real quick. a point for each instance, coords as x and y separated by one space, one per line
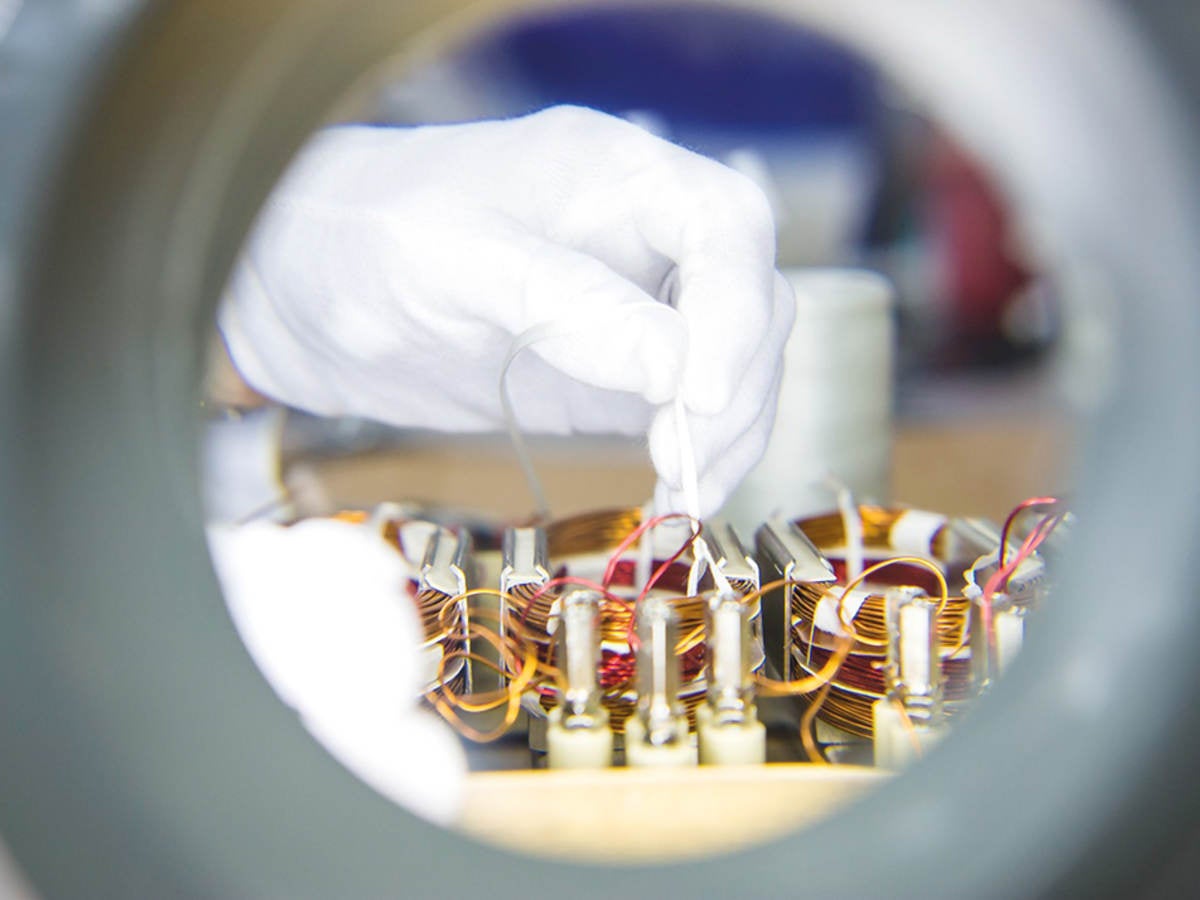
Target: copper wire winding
518 660
824 681
859 683
598 533
592 532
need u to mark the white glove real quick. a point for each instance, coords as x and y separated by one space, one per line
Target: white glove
322 609
393 269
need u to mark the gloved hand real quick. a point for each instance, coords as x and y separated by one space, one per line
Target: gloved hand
322 609
393 269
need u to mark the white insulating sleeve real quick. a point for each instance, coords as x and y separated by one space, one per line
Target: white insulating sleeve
913 532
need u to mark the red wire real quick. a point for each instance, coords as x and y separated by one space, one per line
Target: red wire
1003 573
665 567
634 535
1020 507
570 579
615 667
632 538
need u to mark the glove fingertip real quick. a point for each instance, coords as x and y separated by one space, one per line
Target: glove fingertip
663 353
705 393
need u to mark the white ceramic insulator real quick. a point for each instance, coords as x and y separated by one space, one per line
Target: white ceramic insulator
577 748
835 403
640 754
739 744
896 744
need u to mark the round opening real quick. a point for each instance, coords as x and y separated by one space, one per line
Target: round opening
926 395
201 759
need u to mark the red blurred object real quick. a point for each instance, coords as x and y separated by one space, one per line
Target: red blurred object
979 273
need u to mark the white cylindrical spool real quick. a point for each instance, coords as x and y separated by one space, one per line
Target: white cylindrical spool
835 403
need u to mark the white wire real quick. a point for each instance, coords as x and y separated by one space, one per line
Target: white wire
520 448
852 526
565 326
689 477
690 488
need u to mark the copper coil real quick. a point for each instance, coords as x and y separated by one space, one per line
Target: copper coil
743 586
596 533
864 674
829 531
621 702
592 532
434 622
860 682
533 612
616 621
458 682
848 711
588 535
851 711
870 623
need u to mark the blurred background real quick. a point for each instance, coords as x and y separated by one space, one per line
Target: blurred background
984 359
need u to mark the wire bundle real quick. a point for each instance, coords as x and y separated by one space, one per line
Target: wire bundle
609 538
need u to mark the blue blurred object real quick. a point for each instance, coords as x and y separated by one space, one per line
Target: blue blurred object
697 68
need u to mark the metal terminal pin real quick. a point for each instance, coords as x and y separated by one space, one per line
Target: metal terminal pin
659 708
730 659
579 660
913 672
989 658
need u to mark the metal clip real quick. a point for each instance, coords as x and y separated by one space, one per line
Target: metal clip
444 568
525 558
731 557
791 556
